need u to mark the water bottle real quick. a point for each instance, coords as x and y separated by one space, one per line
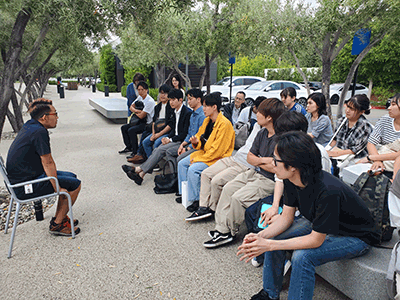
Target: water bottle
38 210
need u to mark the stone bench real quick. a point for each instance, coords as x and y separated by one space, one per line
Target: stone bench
362 277
114 109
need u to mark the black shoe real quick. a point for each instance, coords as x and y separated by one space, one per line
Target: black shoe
135 177
261 295
211 233
178 200
127 168
126 150
131 155
200 213
193 207
219 239
178 195
156 168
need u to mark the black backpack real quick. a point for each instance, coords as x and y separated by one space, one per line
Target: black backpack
374 189
166 183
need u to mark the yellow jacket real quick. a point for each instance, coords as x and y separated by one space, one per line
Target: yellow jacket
220 144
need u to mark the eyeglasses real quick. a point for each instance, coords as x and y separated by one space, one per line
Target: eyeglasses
277 160
53 114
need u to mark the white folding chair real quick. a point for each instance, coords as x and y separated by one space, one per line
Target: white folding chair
10 188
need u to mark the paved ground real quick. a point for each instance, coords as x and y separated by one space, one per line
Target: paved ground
133 244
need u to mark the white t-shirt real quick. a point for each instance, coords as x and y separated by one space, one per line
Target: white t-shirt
149 105
244 115
241 155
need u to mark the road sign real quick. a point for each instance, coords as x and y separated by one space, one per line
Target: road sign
360 41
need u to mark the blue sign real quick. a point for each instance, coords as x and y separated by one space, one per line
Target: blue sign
232 60
360 41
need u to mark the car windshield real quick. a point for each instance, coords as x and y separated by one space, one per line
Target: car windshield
223 81
258 85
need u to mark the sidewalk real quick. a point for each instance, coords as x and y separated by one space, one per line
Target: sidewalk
133 243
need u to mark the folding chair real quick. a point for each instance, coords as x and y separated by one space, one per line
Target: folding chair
10 188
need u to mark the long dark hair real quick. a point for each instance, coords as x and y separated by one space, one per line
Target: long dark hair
319 99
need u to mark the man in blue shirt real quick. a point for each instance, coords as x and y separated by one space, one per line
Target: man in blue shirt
131 91
29 158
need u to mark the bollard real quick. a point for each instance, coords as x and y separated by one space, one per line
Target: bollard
61 92
93 88
106 90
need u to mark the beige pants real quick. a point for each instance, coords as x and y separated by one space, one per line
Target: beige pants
238 194
215 177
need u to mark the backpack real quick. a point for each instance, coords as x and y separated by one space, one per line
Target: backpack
242 131
393 274
374 190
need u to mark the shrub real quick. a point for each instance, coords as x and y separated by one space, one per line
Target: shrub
123 90
380 95
152 92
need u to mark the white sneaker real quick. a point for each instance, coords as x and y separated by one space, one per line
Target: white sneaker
255 263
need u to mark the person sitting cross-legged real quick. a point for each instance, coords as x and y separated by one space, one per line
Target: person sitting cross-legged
226 169
180 125
150 137
251 185
214 140
334 224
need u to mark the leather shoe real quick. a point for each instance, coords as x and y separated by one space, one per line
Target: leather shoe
127 168
137 159
135 177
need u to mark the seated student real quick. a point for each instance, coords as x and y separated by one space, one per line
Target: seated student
288 97
352 136
214 140
151 138
251 185
130 132
383 143
318 236
195 101
244 114
132 93
232 110
319 124
288 121
180 125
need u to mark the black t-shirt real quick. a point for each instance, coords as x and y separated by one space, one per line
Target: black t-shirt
23 159
332 207
264 146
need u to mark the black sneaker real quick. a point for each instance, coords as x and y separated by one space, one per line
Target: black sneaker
193 207
261 295
178 200
219 239
126 150
156 168
211 233
127 168
200 213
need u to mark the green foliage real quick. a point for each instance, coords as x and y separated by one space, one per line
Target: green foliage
112 87
130 72
123 90
152 92
246 66
107 66
223 69
380 95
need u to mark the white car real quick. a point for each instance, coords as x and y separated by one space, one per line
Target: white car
273 89
335 90
239 83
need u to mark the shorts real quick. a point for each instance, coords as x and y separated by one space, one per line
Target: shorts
66 180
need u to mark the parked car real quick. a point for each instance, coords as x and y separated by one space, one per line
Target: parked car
273 89
239 83
335 91
314 85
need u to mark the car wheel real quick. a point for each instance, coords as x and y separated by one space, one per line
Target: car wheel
302 101
335 99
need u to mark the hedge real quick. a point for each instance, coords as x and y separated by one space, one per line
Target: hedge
153 92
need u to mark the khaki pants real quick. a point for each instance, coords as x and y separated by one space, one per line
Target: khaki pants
215 177
238 194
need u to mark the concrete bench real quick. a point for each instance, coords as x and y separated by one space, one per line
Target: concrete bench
363 277
111 108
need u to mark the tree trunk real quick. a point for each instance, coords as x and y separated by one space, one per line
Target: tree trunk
183 75
326 80
203 76
17 111
10 64
370 84
12 120
300 70
160 74
350 75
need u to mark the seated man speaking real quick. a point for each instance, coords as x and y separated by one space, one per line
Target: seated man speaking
29 158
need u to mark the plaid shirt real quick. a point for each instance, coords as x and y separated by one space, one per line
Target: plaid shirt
355 138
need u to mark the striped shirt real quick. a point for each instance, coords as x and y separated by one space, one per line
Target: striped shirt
384 132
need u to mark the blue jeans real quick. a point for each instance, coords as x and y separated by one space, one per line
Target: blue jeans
302 278
191 174
149 145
